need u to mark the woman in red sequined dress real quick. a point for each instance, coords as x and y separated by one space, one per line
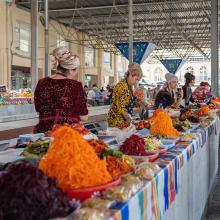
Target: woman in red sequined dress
60 99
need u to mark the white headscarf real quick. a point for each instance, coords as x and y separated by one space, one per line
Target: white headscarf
170 78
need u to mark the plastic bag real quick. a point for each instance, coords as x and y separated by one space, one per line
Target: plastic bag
121 135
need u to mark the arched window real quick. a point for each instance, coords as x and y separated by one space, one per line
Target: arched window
158 74
203 75
190 70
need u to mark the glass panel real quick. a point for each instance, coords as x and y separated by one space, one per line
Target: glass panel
107 59
22 34
61 41
89 56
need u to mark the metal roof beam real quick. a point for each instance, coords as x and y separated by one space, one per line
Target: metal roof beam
123 5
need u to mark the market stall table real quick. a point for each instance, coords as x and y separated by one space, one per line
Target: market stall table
182 187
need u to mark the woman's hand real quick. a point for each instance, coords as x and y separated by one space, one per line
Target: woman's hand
83 117
127 117
180 92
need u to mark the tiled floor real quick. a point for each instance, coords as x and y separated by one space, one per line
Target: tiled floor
214 208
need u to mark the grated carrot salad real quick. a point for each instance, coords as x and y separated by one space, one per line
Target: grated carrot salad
163 125
73 162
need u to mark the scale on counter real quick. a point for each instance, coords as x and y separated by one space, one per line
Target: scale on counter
93 127
109 140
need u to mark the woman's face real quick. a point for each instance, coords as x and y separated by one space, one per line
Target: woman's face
173 84
192 82
133 78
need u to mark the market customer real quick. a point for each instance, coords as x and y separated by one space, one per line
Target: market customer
123 99
168 96
60 99
187 89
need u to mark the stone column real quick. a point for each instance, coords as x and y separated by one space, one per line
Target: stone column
115 69
100 68
5 54
81 74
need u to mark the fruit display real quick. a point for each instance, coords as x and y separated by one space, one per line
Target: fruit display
37 149
142 124
134 145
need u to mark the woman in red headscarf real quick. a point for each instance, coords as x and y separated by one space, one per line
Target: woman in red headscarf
202 94
60 99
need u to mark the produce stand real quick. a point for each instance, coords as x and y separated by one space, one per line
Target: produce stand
182 187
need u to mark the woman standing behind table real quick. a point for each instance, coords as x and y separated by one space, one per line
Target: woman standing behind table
60 99
167 96
187 90
202 93
123 99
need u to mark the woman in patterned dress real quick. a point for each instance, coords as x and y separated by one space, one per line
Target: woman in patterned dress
123 99
202 93
60 99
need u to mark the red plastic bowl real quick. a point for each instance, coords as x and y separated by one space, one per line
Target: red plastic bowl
85 193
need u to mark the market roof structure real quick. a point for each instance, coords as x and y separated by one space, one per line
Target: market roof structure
179 28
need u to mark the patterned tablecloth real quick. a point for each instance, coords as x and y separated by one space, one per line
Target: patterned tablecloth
157 195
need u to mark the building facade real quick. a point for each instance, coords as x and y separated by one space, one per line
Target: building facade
155 72
97 66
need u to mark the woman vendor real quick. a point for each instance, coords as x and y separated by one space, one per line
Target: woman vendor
60 99
123 99
167 96
202 93
187 89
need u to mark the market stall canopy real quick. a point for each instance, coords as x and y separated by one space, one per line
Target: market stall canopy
141 50
179 28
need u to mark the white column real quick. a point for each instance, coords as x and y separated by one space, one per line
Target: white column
34 43
130 14
214 47
46 39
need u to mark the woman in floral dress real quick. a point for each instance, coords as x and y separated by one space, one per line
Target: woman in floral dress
60 99
123 99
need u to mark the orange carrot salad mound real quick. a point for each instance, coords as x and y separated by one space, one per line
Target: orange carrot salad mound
163 125
73 162
155 114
